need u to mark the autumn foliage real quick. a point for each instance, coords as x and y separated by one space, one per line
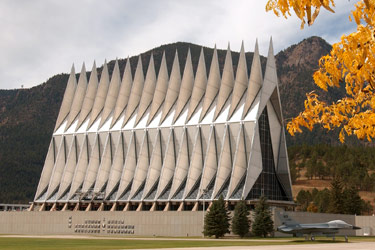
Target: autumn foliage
351 63
308 9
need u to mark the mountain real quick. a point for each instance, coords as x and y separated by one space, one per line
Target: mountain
27 116
296 66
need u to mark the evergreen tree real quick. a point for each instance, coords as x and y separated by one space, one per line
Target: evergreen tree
309 169
216 221
303 199
336 204
240 221
263 223
367 207
353 204
314 193
322 171
322 200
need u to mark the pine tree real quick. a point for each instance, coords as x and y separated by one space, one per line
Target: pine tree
240 221
263 223
336 204
353 204
303 199
216 221
322 200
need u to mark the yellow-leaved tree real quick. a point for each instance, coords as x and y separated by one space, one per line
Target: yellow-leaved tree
351 62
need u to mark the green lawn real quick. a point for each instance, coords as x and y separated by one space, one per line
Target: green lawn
362 238
47 243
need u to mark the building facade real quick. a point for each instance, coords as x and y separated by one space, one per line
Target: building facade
168 141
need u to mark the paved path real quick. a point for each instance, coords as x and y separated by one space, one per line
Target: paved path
340 246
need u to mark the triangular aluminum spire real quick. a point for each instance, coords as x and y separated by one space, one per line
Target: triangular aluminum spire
124 93
101 95
227 82
255 81
105 165
70 166
239 163
255 165
148 90
186 87
210 162
283 167
182 164
240 83
169 164
82 164
156 164
173 88
160 89
270 80
213 85
275 100
70 159
61 160
129 166
275 96
94 163
200 85
79 96
196 164
88 102
143 163
113 91
118 164
225 163
47 169
275 130
136 92
68 99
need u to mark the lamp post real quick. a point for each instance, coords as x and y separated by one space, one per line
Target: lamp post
204 192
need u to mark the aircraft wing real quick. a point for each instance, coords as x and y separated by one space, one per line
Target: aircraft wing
308 228
315 226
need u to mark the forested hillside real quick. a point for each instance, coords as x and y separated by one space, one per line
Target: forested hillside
349 171
354 165
27 116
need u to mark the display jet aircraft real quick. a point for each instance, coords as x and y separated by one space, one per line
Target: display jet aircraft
329 229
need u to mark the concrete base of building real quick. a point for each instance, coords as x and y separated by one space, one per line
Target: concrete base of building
158 223
144 223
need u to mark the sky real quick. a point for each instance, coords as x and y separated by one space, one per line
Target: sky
41 38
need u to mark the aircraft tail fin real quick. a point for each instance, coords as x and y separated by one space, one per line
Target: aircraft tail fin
285 219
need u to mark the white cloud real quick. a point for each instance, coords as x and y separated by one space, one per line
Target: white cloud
41 38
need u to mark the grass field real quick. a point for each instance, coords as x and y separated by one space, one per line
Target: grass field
58 243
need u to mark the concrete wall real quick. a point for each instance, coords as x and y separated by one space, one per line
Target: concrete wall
171 223
143 223
367 223
14 207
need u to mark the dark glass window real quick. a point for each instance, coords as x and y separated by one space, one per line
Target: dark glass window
180 192
193 194
152 193
267 183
